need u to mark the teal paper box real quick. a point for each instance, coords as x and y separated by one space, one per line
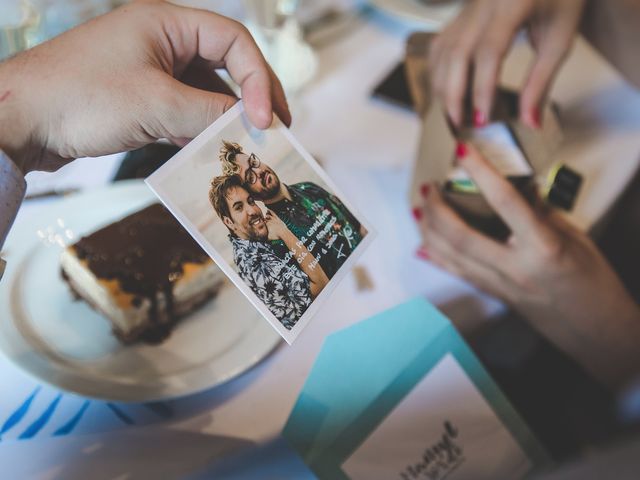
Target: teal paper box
401 395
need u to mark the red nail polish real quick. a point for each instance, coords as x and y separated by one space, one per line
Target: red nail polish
424 189
417 213
461 150
479 118
535 116
422 253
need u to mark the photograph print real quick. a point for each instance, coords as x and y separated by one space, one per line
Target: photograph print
264 210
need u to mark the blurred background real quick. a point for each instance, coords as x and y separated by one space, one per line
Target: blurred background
274 23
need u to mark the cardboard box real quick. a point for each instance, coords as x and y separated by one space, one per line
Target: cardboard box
436 153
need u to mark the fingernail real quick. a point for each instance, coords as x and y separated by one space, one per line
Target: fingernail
535 116
461 150
422 253
424 189
417 213
479 118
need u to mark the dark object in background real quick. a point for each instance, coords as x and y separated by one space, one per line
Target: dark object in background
394 88
564 188
474 209
567 410
620 237
143 162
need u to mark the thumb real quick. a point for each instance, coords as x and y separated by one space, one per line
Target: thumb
190 110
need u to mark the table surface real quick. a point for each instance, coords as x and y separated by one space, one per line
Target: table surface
368 148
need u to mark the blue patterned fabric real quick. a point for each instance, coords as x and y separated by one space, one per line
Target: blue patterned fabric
277 281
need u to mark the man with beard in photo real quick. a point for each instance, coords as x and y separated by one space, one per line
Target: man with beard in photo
286 282
315 216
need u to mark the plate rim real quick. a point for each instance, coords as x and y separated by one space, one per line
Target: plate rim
27 359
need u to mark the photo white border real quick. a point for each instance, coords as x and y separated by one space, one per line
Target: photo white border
155 180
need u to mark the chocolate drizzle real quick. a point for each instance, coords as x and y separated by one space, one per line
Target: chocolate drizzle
145 252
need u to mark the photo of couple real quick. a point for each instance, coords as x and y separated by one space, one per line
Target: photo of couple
259 204
288 240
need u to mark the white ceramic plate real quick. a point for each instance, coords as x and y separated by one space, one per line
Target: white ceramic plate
430 16
65 343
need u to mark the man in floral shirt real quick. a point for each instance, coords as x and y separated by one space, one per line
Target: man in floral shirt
269 257
318 218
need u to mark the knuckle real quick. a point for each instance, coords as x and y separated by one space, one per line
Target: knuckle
523 279
161 107
487 53
550 250
453 97
435 48
458 242
165 93
456 238
242 32
502 198
437 85
146 7
459 53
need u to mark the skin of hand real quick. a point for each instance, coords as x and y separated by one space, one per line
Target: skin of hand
473 46
140 73
547 270
278 230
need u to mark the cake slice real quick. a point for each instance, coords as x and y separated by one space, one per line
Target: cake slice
142 273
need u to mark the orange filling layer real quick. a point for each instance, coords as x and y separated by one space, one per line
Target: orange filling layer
124 300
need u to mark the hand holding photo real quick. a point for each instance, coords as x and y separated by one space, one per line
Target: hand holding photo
267 214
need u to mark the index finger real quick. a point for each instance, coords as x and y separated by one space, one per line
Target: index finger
498 191
225 42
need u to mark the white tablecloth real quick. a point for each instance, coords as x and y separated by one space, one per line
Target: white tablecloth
368 148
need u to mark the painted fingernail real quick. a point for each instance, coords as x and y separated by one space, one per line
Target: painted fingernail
422 253
535 116
461 150
479 118
424 190
417 213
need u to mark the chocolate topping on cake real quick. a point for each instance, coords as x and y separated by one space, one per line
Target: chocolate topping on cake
145 252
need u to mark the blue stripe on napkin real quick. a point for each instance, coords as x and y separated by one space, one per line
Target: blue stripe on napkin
120 414
33 429
19 413
68 427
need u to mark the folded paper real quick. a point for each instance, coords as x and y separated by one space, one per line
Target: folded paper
401 395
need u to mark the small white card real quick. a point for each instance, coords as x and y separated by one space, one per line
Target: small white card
497 144
444 428
267 214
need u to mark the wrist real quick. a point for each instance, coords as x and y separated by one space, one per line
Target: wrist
287 237
17 126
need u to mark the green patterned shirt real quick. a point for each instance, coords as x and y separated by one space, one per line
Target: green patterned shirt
321 222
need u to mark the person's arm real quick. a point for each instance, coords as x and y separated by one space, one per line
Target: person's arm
316 274
277 229
547 270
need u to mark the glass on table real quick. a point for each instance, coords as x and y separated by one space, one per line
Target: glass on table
277 32
59 16
25 23
19 27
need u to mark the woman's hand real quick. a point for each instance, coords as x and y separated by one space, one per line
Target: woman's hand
142 72
278 230
547 270
476 42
